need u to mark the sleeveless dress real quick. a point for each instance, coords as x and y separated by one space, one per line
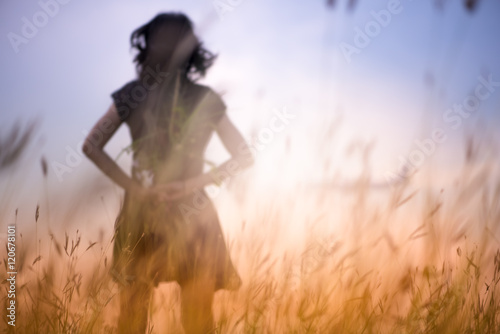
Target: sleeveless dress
182 240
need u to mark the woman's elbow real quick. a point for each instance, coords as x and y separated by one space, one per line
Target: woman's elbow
250 160
89 149
246 161
244 156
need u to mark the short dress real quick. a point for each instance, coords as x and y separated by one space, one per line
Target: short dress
177 241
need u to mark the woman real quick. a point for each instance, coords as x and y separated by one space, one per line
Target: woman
167 229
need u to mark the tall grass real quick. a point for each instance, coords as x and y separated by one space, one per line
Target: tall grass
401 260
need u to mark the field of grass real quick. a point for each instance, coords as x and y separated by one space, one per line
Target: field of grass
406 259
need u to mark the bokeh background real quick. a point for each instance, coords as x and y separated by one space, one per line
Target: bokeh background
272 55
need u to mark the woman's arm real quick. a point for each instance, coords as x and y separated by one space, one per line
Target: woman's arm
235 144
93 148
241 158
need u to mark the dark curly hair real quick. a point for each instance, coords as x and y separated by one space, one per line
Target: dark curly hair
194 63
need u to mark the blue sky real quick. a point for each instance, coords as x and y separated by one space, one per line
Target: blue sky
272 54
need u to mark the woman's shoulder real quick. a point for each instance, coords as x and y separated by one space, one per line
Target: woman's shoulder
120 93
127 97
209 99
203 89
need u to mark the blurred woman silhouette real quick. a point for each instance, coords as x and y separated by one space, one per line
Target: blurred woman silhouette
167 229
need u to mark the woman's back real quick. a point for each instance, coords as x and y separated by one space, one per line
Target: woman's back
170 126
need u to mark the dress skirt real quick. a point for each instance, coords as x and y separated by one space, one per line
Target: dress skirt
178 241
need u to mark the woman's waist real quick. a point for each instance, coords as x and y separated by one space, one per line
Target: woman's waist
195 204
149 176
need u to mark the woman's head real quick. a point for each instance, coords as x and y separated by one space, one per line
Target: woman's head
168 40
